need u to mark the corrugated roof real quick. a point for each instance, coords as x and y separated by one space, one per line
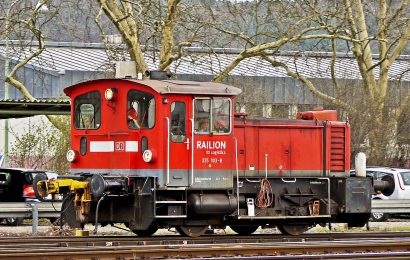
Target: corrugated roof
24 108
59 57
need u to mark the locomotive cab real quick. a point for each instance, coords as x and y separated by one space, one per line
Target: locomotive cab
175 131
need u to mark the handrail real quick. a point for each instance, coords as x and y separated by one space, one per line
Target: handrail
192 152
168 151
266 166
237 171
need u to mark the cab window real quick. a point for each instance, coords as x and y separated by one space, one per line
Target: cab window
140 110
212 116
178 112
87 111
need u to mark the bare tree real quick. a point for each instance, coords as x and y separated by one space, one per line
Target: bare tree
263 29
157 26
22 26
350 26
21 20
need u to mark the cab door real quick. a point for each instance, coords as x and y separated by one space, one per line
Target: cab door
179 142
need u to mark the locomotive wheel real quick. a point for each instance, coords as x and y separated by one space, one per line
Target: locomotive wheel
244 230
68 212
192 231
146 233
293 229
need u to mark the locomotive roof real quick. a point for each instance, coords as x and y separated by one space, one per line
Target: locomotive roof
189 87
179 87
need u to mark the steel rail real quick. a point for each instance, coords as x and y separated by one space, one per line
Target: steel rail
210 250
209 239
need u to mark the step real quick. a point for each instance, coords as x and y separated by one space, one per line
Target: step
174 216
170 202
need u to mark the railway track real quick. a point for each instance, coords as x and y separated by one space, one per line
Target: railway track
387 245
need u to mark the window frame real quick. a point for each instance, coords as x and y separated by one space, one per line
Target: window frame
97 111
210 118
128 104
185 122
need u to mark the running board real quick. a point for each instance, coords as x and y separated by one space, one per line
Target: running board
170 202
171 216
283 217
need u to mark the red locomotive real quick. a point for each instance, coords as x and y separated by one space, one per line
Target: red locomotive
164 153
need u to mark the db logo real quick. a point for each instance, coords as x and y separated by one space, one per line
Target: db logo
119 146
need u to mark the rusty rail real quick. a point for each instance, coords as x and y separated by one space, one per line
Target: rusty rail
343 245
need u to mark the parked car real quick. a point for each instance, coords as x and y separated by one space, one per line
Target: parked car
401 191
16 185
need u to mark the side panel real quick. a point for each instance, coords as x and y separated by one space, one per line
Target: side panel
251 139
293 148
288 151
274 151
242 153
248 140
306 152
214 161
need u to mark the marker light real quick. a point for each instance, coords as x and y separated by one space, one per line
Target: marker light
110 94
72 156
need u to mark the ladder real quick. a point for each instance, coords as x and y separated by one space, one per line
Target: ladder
170 203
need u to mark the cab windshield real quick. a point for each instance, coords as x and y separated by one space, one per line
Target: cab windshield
87 111
140 110
212 115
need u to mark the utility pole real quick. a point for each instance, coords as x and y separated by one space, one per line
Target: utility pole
6 92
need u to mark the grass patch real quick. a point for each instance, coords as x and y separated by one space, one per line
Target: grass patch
373 226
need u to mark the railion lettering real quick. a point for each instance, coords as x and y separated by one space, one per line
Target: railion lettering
211 145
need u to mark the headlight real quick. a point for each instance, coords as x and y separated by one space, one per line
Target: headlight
72 155
110 94
147 156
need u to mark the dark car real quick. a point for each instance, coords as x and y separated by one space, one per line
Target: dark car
16 185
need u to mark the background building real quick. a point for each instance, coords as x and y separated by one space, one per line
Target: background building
267 91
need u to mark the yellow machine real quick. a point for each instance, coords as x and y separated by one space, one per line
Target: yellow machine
79 189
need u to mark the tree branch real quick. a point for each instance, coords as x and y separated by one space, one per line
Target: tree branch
259 49
127 27
167 42
178 55
403 40
309 84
